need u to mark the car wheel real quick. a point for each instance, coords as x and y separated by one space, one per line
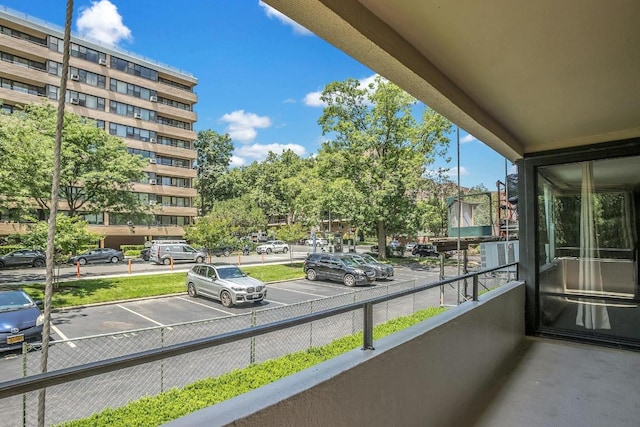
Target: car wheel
349 280
199 260
285 250
226 252
225 299
82 261
38 263
191 290
166 261
268 251
114 259
312 274
1 264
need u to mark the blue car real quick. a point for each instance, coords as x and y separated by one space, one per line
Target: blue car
20 319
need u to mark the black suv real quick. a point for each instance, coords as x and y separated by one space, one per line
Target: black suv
340 268
424 250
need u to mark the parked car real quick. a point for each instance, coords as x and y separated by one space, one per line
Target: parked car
98 255
145 254
320 241
410 245
162 253
32 257
20 319
394 244
426 250
221 251
226 283
383 271
273 246
341 268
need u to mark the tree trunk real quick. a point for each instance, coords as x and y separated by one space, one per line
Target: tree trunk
382 240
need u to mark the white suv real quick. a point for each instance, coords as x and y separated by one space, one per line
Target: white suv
273 246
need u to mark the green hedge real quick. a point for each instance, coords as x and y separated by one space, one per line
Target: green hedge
132 253
9 248
175 403
125 248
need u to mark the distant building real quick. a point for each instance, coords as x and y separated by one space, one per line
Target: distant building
147 104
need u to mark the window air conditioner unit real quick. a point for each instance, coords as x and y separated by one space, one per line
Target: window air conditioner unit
153 161
137 116
102 61
75 77
153 140
75 101
153 182
153 98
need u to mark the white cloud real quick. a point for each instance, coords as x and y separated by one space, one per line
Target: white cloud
260 151
242 126
312 99
273 13
453 172
236 161
468 138
103 23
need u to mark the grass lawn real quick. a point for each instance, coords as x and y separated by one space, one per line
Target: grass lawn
100 290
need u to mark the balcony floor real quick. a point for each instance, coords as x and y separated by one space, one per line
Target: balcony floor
558 383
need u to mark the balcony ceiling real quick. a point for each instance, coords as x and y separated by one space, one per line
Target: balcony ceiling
521 76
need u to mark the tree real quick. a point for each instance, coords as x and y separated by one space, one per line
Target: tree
213 157
291 233
226 223
71 236
434 211
384 150
96 172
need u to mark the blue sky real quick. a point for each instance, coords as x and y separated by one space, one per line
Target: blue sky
259 74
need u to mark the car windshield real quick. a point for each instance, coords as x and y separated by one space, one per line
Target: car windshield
369 258
14 300
358 259
350 262
230 273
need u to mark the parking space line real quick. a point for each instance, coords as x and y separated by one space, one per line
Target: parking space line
205 305
61 335
275 302
296 291
141 315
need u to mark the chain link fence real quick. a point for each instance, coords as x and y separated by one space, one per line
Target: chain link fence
84 397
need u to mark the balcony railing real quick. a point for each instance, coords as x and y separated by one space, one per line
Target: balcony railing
23 386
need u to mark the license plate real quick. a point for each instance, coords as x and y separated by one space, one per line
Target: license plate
253 296
15 339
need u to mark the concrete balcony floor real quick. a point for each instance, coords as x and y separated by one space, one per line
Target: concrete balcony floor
559 383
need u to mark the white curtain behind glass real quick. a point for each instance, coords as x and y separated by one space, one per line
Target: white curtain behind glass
592 314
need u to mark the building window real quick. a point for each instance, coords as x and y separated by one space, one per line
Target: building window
175 104
77 51
131 132
131 89
131 111
587 242
175 123
142 153
24 36
164 140
133 69
85 100
174 182
23 62
175 84
88 77
172 161
22 87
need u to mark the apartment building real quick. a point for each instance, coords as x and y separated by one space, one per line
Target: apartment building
147 104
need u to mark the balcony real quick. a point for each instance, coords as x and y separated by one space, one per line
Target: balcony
471 366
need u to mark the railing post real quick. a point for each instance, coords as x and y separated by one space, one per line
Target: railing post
475 287
367 332
252 349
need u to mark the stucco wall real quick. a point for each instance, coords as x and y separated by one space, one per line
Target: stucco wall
432 374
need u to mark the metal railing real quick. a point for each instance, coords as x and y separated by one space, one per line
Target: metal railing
166 349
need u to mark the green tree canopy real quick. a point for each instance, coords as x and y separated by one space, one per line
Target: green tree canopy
96 169
213 157
378 144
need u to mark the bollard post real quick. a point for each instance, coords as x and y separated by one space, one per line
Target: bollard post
262 257
78 268
129 266
238 259
171 263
